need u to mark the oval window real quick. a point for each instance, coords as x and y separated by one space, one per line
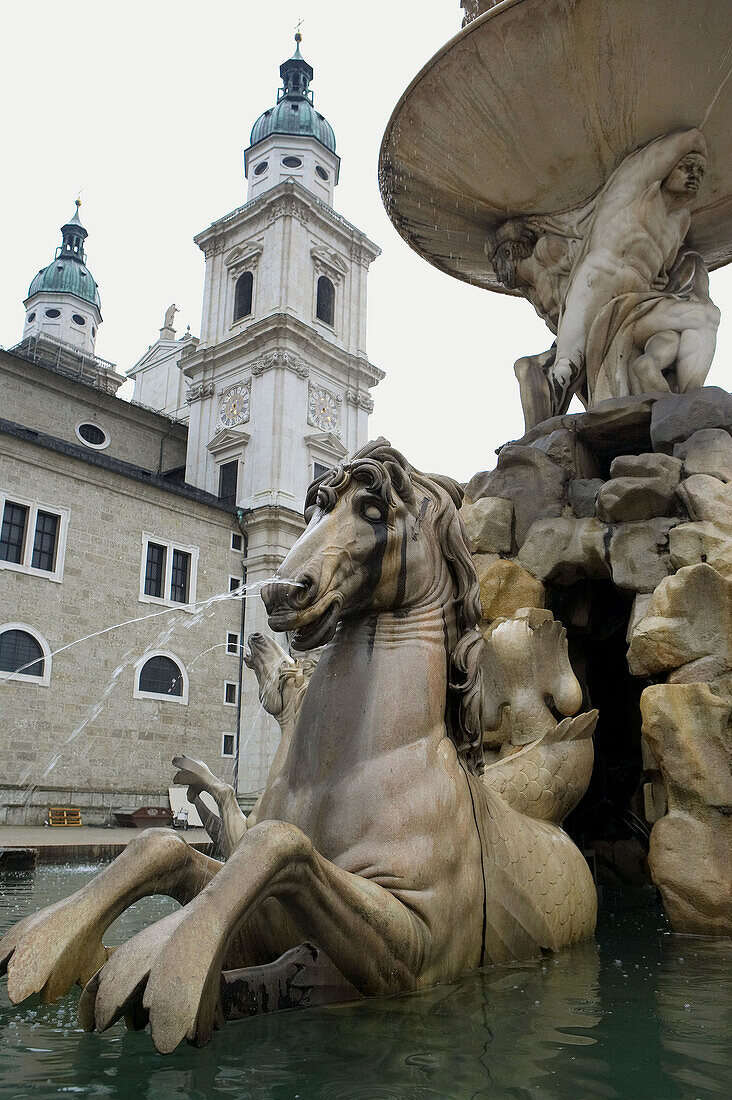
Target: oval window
321 172
78 319
92 435
261 167
292 162
53 313
31 317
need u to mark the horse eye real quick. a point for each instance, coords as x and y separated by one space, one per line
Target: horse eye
371 511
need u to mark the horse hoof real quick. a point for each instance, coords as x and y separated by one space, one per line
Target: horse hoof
49 951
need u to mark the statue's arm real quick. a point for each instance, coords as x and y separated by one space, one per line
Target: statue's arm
654 161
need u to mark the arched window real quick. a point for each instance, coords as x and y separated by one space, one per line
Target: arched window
24 654
243 295
161 676
325 303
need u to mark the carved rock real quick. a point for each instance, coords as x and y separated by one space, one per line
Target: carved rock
488 523
689 616
639 556
677 417
568 450
505 587
532 481
689 728
525 664
693 543
583 496
708 451
565 550
707 498
640 487
638 610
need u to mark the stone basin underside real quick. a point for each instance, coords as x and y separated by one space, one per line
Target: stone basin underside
530 108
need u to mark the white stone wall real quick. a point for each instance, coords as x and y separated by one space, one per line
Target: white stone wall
271 153
66 326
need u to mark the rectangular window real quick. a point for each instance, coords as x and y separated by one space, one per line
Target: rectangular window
45 541
233 643
12 539
230 693
32 537
234 583
237 542
179 576
155 570
319 469
168 573
227 481
228 744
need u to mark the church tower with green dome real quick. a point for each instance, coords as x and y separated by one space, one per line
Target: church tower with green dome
292 140
63 299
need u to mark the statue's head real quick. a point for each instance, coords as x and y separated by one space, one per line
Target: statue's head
686 177
513 242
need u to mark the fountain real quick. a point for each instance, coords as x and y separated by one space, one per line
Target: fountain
411 827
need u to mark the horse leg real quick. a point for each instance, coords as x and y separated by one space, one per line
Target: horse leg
227 830
50 950
374 940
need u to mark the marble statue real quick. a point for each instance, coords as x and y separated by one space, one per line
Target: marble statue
627 301
170 315
379 859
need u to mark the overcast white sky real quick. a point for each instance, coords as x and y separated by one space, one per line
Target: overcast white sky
147 108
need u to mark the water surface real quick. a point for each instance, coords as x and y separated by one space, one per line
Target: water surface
640 1014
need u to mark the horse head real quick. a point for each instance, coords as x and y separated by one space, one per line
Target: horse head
383 537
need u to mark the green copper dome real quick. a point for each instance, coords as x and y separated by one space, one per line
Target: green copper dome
68 273
294 112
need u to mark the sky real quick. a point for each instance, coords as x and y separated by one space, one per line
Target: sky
145 109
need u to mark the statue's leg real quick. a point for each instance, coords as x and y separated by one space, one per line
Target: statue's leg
646 373
696 351
536 396
62 944
371 937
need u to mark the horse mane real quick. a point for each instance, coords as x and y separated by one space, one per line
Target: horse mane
386 472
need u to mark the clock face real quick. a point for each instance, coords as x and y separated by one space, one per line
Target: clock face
323 410
235 406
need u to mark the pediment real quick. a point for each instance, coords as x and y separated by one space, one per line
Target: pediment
327 443
330 260
227 439
244 254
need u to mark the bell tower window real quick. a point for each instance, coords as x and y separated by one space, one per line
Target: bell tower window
325 301
243 295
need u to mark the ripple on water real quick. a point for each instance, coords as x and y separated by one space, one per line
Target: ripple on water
571 1025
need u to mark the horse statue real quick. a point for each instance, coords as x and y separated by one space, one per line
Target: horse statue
378 860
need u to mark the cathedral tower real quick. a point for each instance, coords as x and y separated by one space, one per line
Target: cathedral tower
279 383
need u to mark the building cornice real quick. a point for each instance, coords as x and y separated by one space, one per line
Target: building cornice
287 199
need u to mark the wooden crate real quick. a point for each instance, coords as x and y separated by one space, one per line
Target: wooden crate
64 816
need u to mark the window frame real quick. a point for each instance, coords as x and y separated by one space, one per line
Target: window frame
238 318
157 696
170 546
22 677
34 507
240 548
234 684
331 325
239 582
233 652
228 755
85 442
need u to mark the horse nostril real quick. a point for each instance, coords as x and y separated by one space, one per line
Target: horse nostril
304 593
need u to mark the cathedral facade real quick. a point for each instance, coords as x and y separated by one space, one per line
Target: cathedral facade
153 513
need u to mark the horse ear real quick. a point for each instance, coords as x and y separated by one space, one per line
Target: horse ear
452 487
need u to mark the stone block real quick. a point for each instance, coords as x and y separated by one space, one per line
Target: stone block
638 610
676 417
505 587
707 498
655 802
693 543
689 729
708 451
640 487
689 616
565 550
489 523
583 496
639 557
534 483
568 450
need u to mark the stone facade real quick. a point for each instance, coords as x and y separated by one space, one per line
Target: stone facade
84 738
